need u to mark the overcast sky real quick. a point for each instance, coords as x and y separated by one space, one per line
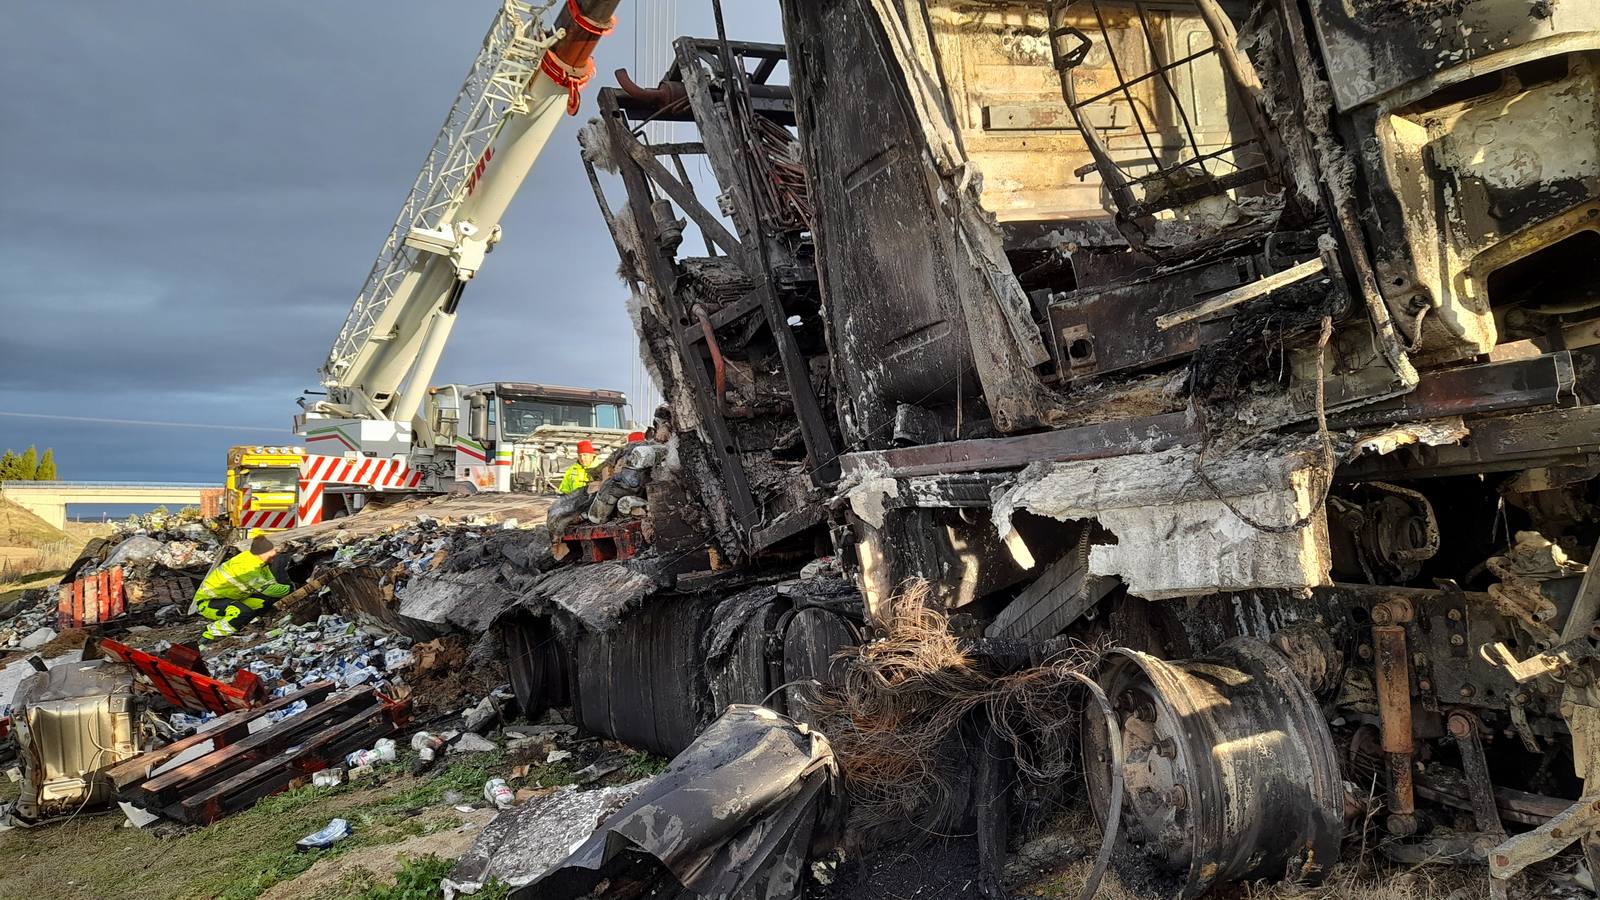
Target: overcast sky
193 193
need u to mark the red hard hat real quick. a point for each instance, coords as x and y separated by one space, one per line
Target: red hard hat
585 447
635 437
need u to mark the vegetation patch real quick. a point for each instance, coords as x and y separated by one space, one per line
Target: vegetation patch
94 856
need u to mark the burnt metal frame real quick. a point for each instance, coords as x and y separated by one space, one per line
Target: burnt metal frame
1541 381
700 95
766 248
658 268
1117 181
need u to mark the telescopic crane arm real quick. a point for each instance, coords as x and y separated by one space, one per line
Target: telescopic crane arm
524 80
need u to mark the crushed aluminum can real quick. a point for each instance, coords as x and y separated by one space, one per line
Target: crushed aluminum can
381 752
496 791
328 778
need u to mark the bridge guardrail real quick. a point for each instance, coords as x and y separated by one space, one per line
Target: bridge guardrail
157 485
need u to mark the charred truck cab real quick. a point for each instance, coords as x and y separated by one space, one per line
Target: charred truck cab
1257 340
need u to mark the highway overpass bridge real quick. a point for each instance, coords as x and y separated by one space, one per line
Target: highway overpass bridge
48 499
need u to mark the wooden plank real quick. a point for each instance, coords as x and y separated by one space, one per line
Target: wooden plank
233 727
1060 578
1243 294
1059 617
266 742
271 775
298 595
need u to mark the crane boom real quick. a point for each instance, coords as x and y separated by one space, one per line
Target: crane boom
524 79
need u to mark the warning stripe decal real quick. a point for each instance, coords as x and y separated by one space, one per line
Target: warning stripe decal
267 518
320 470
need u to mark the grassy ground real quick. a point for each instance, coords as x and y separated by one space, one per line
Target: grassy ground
247 854
33 554
20 528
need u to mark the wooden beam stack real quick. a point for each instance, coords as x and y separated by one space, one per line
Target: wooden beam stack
242 766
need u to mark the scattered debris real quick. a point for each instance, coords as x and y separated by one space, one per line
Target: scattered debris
495 791
32 614
336 831
427 745
471 742
244 766
381 752
71 723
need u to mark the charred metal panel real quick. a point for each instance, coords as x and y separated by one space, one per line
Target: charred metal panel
883 244
1100 331
917 286
1476 175
1372 47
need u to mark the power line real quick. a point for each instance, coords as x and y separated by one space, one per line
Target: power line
144 422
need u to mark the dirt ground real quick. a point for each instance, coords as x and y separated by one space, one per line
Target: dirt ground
1363 874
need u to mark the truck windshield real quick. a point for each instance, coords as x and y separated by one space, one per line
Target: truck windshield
264 481
521 417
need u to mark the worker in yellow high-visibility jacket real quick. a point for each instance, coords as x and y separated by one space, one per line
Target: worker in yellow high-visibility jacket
576 478
237 591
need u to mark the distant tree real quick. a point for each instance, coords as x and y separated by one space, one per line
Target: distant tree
29 464
47 466
11 467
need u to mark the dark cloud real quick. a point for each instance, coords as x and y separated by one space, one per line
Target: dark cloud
194 191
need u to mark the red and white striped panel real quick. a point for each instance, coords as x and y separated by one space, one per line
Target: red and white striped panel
268 519
319 471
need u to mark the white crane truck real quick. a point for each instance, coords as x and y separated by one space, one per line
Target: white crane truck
379 416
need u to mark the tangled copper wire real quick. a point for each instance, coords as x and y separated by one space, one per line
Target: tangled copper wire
895 717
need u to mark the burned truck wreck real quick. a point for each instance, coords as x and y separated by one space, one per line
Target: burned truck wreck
1257 341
